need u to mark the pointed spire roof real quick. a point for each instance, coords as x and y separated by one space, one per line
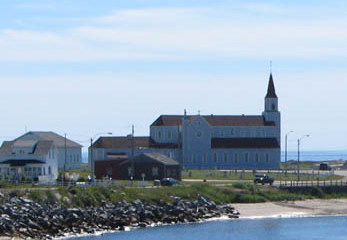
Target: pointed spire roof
271 92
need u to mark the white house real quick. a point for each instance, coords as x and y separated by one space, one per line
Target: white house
209 141
28 159
69 153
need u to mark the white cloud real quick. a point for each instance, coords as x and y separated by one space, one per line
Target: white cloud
178 33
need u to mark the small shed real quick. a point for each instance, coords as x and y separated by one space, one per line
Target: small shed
150 166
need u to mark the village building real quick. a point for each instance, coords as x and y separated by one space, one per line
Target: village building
147 166
207 141
69 153
38 155
28 160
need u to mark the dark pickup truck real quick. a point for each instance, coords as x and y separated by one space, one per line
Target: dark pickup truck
263 179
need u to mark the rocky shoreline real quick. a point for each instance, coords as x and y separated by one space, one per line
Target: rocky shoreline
26 219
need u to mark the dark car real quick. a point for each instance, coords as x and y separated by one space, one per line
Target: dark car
168 182
324 167
263 179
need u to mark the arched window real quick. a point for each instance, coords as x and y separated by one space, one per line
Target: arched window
273 107
215 158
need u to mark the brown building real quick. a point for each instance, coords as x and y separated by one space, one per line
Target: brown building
149 166
111 167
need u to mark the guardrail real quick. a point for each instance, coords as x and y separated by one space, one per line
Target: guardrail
317 183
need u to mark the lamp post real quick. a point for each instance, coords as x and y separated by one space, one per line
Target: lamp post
286 147
299 142
91 152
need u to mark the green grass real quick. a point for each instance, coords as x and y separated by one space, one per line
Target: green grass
238 192
239 175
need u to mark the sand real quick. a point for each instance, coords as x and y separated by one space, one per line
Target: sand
314 207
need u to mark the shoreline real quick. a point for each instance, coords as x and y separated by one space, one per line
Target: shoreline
254 211
307 208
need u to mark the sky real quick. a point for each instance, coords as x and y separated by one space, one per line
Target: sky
84 67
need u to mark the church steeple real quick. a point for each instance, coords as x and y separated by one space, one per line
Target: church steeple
271 92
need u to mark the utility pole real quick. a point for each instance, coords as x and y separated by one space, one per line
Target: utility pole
132 154
299 142
298 160
91 158
64 158
92 162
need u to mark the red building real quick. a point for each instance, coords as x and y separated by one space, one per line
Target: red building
149 166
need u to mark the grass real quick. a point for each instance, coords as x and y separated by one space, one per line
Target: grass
237 192
242 175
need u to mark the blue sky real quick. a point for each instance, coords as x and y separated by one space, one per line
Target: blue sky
83 67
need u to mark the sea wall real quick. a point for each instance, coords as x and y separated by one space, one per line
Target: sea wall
25 218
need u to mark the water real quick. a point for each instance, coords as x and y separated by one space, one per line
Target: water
316 156
315 228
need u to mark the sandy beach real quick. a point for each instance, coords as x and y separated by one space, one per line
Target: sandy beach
314 207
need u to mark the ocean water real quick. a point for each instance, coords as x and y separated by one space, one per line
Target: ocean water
305 228
316 156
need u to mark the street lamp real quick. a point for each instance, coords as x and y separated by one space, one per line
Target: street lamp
91 151
286 147
299 141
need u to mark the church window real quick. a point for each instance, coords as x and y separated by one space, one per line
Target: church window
256 157
225 157
159 134
198 134
215 157
169 134
232 131
246 157
236 158
194 158
273 107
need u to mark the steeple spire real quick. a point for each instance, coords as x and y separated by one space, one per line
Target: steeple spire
271 93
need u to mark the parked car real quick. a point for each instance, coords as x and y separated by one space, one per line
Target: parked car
324 167
168 182
263 179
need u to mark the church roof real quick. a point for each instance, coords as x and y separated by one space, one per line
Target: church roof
214 120
271 92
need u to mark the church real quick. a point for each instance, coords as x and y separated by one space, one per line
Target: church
242 142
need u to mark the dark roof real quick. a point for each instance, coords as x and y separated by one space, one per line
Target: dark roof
58 140
237 121
271 92
244 143
39 147
215 120
21 162
6 147
168 120
43 147
125 142
153 157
